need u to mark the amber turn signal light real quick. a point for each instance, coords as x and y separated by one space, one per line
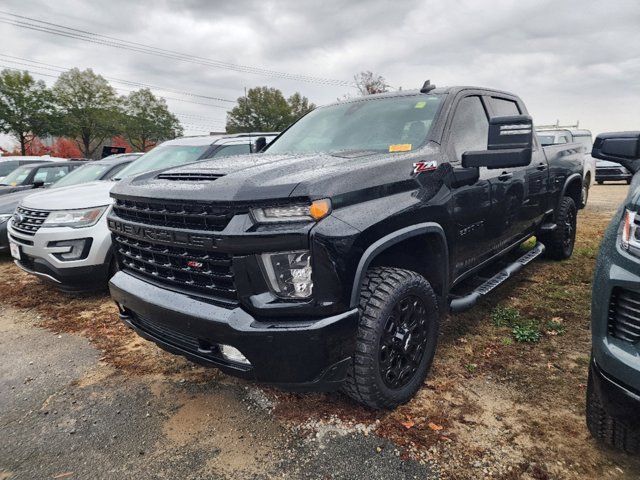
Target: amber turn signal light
320 209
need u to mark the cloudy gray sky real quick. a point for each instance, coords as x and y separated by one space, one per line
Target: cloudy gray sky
569 60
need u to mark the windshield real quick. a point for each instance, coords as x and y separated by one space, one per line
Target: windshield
18 176
546 140
86 173
392 124
163 157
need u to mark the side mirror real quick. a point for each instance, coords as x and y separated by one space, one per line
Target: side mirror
38 184
509 144
617 146
259 144
465 176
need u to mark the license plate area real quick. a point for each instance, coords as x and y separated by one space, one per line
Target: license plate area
15 251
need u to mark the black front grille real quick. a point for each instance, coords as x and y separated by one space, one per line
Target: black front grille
624 315
207 274
28 221
191 216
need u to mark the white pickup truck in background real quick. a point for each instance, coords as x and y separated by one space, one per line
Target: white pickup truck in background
557 134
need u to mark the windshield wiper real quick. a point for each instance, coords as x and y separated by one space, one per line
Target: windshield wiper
358 152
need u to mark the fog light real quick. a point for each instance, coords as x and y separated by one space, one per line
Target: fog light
289 273
75 249
233 354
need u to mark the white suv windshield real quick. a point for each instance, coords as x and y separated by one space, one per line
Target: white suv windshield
163 157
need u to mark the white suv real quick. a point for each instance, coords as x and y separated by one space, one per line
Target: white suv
61 235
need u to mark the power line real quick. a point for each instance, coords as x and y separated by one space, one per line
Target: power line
49 66
116 88
92 37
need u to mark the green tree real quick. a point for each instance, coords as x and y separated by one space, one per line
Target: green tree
265 109
26 107
148 120
89 106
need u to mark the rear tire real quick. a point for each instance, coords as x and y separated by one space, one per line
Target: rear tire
559 242
396 338
607 429
628 181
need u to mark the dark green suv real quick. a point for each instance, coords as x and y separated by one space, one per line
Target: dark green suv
613 393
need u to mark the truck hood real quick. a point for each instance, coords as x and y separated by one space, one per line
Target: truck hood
85 195
264 176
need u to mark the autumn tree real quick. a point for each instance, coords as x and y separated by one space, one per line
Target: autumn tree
26 107
266 109
148 120
369 83
89 108
65 148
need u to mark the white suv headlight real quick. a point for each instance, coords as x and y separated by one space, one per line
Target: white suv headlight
87 217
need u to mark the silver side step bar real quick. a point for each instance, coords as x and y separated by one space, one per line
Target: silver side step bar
465 302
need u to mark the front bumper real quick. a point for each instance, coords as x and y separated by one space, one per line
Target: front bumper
300 353
612 177
39 256
618 400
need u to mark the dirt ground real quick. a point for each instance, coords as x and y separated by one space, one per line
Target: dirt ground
492 407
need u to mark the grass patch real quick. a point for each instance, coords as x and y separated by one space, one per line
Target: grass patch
527 332
505 316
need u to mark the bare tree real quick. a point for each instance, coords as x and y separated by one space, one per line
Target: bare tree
369 83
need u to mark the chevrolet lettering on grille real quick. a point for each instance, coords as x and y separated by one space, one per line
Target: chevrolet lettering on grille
162 236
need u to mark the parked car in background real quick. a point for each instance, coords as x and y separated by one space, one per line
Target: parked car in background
32 176
61 235
11 162
607 171
559 135
99 170
329 260
613 390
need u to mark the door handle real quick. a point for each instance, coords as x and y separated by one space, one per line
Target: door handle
505 176
541 166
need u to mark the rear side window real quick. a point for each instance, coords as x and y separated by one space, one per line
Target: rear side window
229 150
7 167
502 107
470 127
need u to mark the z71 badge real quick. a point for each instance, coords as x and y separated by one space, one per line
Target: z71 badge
420 167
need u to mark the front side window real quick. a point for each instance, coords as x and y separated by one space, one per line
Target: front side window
50 174
391 124
470 127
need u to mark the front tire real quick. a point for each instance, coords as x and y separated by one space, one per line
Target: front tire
605 428
396 338
560 242
585 192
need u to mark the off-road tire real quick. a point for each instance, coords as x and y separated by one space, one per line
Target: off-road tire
606 429
600 182
382 289
559 243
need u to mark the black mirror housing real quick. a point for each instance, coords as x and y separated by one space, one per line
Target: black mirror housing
38 184
509 144
617 146
259 144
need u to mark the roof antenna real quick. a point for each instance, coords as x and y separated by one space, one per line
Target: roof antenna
427 87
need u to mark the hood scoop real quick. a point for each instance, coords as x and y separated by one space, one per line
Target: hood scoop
190 176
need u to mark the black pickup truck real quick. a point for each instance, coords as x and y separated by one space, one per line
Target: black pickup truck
328 260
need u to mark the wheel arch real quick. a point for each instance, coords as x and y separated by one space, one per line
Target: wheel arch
421 248
572 188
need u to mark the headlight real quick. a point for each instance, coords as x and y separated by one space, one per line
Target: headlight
74 218
288 273
4 217
317 210
629 238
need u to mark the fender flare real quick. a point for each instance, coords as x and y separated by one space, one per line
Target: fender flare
391 239
570 179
